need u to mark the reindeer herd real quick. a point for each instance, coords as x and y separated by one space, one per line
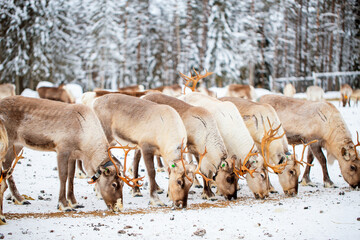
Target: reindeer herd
231 138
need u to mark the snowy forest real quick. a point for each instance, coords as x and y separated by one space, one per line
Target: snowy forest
116 43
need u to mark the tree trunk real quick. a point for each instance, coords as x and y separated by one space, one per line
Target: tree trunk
342 17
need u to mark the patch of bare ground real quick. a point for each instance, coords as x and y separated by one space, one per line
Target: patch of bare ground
195 206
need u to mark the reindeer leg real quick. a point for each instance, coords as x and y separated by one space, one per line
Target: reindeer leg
70 192
80 173
305 181
196 181
63 159
316 149
17 198
207 193
148 156
3 187
137 156
160 166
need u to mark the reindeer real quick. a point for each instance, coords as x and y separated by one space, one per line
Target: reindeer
345 91
6 90
259 119
289 90
304 121
315 93
71 130
155 129
356 96
133 88
172 90
202 132
56 93
237 139
241 91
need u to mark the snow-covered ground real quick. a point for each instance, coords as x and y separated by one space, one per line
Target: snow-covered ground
315 213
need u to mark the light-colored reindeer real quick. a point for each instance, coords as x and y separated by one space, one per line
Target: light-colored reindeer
71 130
157 130
237 139
304 121
202 132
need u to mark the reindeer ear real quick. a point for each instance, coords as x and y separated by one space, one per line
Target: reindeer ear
345 154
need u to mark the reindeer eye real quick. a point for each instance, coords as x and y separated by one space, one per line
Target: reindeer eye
114 184
353 168
262 175
292 172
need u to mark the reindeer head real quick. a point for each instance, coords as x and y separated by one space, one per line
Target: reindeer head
288 178
255 173
181 178
350 163
110 180
226 179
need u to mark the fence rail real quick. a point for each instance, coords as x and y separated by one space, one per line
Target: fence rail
301 83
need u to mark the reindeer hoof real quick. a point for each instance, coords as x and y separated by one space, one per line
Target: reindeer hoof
307 183
2 220
159 191
80 175
161 169
273 191
329 185
65 209
156 202
198 186
137 194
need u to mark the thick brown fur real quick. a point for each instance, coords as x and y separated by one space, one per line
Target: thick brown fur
304 121
241 91
56 94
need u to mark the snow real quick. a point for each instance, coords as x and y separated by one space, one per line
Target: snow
315 213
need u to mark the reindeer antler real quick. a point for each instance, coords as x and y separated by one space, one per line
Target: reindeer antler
197 171
243 168
358 144
301 162
126 179
11 169
270 136
194 79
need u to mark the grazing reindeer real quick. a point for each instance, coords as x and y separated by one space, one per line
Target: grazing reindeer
56 93
71 130
345 91
202 132
289 90
157 130
6 90
241 91
315 93
236 137
304 121
257 117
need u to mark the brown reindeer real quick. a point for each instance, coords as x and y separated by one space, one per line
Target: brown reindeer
133 88
345 92
157 130
257 117
71 130
241 91
202 132
304 121
6 90
56 93
237 139
174 90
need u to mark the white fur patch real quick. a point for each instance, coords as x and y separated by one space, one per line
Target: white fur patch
118 206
